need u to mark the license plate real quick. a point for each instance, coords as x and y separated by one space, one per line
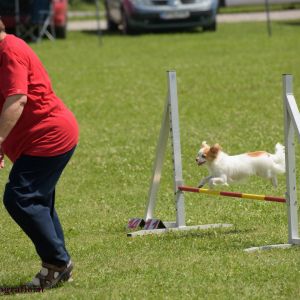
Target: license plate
170 15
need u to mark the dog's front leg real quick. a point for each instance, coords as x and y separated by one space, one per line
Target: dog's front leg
204 181
218 180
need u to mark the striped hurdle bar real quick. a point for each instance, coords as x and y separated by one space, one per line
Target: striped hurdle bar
231 194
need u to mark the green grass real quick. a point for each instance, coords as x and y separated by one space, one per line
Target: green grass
88 11
258 8
81 5
229 89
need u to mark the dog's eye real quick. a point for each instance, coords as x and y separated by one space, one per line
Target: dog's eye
203 155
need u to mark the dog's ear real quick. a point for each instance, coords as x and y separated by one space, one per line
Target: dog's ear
215 148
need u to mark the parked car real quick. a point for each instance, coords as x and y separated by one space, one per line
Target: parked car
8 14
134 15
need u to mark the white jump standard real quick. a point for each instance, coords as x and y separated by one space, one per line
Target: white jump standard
291 124
170 125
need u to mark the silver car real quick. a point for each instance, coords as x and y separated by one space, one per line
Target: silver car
135 15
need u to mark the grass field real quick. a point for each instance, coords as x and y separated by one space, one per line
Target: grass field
230 92
258 8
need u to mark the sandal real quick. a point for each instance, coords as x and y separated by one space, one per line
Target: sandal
50 276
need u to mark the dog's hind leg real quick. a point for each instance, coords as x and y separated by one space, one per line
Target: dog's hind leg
274 181
272 176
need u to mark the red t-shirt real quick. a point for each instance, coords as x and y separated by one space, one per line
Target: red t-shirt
46 126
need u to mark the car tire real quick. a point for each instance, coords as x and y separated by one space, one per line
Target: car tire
210 27
61 32
111 25
222 3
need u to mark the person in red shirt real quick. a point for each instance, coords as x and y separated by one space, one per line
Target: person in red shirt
38 133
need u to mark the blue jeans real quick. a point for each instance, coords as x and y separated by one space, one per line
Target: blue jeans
29 197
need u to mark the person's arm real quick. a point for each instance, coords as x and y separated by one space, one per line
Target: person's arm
11 112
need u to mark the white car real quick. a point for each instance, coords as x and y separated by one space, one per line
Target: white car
134 15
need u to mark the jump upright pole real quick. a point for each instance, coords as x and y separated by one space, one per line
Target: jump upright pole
291 130
232 194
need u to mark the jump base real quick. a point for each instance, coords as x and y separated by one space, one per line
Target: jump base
268 247
176 229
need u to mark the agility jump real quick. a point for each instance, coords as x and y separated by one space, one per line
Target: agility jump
170 127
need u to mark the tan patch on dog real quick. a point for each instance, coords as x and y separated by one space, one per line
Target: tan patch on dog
213 152
256 153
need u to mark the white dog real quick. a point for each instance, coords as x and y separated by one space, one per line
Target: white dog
225 169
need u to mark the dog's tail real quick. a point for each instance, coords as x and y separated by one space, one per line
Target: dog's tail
279 158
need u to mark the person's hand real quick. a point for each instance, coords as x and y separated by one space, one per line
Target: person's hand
1 158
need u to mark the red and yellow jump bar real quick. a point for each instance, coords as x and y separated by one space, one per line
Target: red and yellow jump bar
231 194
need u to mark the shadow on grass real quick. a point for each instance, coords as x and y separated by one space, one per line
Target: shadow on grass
202 233
210 233
143 33
208 237
217 240
290 23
